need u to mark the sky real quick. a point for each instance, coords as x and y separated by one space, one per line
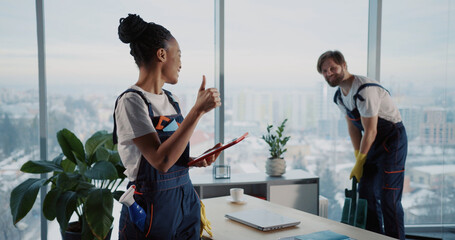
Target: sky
267 43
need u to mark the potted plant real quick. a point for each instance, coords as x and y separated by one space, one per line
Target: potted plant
84 181
275 164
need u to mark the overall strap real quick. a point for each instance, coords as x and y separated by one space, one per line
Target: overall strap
149 105
358 96
172 101
337 97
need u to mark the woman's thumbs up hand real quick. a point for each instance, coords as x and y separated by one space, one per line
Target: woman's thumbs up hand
207 99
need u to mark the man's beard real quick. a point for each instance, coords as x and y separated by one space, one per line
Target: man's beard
337 80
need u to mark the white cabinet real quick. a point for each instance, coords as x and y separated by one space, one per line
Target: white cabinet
296 188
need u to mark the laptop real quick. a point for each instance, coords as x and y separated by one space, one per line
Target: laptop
262 219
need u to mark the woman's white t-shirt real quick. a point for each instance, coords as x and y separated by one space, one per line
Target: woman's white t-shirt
133 121
377 101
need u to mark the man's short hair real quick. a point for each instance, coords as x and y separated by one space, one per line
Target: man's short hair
337 57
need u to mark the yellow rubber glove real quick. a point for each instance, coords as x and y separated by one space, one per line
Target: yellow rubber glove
205 223
357 170
356 152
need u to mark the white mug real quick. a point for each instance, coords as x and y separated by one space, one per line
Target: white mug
236 194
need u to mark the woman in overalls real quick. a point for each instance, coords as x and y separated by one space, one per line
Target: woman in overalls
153 137
379 140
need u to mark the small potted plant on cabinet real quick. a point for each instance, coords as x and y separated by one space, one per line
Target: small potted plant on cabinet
83 180
276 165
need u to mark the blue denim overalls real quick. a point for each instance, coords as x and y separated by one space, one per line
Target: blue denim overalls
169 199
383 172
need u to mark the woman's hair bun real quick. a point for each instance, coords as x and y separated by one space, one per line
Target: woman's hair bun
131 28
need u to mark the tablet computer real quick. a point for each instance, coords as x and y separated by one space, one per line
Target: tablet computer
218 149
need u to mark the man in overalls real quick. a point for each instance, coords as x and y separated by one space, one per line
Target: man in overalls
379 140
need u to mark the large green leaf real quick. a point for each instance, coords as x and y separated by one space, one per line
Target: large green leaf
83 189
110 143
95 141
82 166
102 170
86 231
66 205
40 167
71 145
102 154
58 160
114 157
68 166
50 203
98 212
68 181
23 197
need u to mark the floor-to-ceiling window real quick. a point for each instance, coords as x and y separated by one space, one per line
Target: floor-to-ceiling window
417 64
271 53
87 67
19 109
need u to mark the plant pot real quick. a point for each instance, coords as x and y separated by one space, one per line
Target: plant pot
69 235
275 167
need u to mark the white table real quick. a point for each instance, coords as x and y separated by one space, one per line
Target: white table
225 229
